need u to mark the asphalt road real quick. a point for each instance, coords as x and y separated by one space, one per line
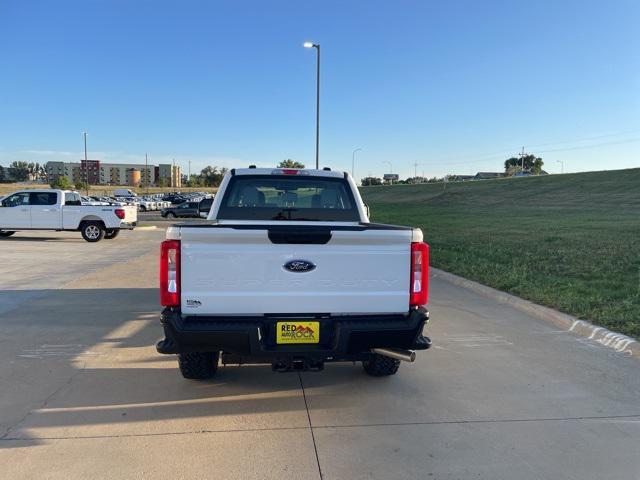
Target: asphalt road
83 393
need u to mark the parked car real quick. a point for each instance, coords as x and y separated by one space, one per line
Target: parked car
145 204
63 210
204 207
174 199
91 201
124 192
186 209
291 272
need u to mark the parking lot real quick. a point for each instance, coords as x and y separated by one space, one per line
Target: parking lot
83 393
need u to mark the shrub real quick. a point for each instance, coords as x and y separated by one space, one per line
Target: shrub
62 183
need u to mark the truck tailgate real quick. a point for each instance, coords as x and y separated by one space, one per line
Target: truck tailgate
130 214
241 271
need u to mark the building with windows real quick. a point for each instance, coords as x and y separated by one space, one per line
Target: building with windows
169 175
100 173
90 171
63 169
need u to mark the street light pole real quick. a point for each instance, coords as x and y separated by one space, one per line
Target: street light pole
561 165
317 47
353 163
86 163
146 172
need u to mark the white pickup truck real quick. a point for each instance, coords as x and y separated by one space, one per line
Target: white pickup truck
63 210
289 271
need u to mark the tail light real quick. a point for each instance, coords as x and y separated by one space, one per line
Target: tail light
419 289
119 213
170 273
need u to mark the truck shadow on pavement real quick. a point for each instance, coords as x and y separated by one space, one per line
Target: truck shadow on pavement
21 237
94 373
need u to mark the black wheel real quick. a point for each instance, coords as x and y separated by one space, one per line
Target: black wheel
380 366
198 365
111 234
92 231
4 234
170 215
143 208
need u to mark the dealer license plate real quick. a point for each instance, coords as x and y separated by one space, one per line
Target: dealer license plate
297 332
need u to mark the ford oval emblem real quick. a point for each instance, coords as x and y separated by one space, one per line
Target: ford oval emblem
299 266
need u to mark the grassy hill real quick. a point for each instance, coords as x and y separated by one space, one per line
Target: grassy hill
571 242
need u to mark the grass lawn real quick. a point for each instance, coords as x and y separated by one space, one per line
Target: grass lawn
571 242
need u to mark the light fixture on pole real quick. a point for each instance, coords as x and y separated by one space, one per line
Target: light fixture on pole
353 163
317 47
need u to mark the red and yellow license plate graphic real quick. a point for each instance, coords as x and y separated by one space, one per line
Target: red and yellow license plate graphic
297 332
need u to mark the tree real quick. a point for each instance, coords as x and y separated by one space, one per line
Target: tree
39 173
416 180
1 173
368 181
19 171
211 176
82 185
532 164
288 163
194 181
34 170
62 183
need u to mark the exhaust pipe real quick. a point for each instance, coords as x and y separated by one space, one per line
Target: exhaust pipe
404 355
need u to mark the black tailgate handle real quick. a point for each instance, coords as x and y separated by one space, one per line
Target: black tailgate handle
299 236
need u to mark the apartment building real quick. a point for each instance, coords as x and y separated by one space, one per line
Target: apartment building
100 173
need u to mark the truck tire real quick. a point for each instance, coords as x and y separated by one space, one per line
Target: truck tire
381 366
143 208
5 233
198 365
111 234
92 231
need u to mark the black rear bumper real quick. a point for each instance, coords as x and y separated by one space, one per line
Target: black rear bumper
341 337
127 225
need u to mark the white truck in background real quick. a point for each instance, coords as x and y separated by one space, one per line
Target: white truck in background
289 271
62 210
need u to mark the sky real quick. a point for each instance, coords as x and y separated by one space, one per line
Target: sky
453 86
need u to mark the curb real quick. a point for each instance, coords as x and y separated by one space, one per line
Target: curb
617 341
148 227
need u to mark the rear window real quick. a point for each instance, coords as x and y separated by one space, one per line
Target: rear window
72 199
284 197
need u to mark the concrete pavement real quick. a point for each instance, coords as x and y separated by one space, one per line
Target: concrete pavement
83 393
